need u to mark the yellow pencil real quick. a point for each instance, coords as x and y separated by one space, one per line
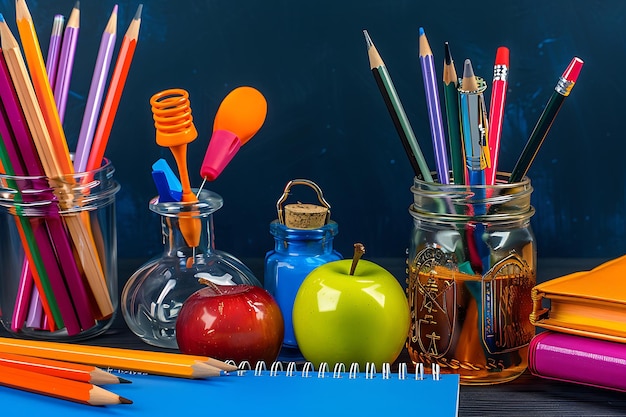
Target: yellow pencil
156 363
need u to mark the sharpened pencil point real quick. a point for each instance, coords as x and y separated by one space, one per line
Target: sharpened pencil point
448 55
1 18
368 40
138 12
124 381
468 70
421 31
77 5
125 401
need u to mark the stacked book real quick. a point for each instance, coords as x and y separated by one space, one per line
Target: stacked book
584 317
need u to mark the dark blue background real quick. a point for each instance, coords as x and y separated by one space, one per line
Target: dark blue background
327 121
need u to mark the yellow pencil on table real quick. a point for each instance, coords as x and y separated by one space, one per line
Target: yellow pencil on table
156 363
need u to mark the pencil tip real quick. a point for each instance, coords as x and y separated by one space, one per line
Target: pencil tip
1 18
448 55
124 380
77 5
468 70
421 31
368 40
138 12
115 9
125 401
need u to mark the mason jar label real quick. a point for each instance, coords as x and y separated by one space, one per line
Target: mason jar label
432 301
441 297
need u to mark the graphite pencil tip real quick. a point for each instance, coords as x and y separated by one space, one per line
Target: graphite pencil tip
138 13
368 40
468 70
447 54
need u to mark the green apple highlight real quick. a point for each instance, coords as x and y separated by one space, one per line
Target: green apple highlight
343 318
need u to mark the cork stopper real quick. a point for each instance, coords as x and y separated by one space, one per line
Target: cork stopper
305 216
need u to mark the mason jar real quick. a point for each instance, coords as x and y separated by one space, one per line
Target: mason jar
471 267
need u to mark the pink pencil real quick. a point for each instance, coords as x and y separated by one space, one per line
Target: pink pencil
65 270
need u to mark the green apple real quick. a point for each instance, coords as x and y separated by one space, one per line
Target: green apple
344 317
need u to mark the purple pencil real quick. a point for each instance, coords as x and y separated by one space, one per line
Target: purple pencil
66 61
96 92
434 108
54 49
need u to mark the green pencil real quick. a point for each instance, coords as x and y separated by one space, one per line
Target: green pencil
396 111
451 99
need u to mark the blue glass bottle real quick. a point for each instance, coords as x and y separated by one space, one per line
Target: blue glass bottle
296 253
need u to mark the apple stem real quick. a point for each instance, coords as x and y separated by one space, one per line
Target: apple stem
359 250
210 283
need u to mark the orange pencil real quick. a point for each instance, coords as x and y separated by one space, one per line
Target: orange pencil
60 369
37 67
52 386
114 93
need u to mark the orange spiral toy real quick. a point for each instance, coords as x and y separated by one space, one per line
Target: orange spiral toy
171 112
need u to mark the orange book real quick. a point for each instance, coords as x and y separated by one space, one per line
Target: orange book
588 303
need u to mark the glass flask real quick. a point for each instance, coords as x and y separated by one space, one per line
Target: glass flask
303 240
153 296
471 268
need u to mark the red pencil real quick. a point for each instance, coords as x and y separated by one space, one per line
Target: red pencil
496 111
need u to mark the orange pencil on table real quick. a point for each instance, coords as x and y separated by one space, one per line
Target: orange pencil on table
52 386
60 369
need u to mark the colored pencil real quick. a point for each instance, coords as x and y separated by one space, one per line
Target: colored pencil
473 123
52 386
54 48
496 110
66 60
156 363
61 369
96 92
45 98
427 62
22 151
396 111
561 91
52 167
451 99
114 93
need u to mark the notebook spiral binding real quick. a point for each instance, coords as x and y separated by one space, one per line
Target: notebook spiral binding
339 371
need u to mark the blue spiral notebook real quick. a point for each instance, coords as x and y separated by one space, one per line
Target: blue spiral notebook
270 392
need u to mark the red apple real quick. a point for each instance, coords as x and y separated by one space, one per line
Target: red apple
238 322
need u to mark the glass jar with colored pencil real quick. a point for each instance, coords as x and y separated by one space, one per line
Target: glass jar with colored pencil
59 255
471 267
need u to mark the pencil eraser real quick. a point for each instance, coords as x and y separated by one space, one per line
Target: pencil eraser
502 56
222 148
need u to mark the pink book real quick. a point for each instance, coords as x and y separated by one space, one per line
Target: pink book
578 359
